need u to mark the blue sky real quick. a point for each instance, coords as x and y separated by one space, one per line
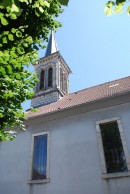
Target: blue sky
95 47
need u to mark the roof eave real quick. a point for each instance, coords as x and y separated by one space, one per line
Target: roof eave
76 106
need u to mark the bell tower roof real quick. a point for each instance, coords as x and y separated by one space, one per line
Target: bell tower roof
52 45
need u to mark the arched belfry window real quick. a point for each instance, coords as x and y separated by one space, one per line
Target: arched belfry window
65 83
42 77
61 79
50 75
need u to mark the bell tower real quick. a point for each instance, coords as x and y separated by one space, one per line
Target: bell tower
53 74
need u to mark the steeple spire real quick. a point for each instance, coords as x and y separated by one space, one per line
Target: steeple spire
52 45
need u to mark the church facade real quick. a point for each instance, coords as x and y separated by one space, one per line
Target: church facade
75 143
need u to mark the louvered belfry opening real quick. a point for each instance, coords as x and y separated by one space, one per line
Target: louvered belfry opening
113 148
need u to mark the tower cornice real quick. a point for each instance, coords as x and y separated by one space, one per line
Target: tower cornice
53 57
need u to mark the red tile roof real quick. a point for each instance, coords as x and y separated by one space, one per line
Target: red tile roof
92 94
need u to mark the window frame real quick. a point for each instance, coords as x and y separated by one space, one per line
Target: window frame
31 181
101 150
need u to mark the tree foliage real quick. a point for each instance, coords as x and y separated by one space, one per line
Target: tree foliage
115 7
24 26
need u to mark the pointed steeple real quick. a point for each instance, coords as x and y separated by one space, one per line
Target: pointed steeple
52 45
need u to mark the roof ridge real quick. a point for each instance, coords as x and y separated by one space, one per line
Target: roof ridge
98 85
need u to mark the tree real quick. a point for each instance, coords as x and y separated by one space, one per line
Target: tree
24 26
115 7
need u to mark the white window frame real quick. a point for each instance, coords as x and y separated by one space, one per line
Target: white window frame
48 159
101 151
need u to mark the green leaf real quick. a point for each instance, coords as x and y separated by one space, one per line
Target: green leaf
1 15
1 61
2 70
9 69
128 10
4 39
13 16
108 8
18 13
1 115
10 93
25 45
19 34
119 8
6 56
63 2
110 3
29 39
1 54
37 14
13 30
46 4
13 54
4 21
34 109
6 32
30 94
14 8
36 80
20 50
108 11
41 9
18 76
11 37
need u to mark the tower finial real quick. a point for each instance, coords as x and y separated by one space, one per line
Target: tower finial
52 45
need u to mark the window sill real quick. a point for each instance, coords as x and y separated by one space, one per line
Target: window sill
39 181
116 175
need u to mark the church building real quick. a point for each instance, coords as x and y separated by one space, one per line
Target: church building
76 143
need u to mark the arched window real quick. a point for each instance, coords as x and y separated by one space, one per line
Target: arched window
65 83
61 79
50 73
42 76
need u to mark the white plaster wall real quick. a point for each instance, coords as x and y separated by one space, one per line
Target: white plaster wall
74 157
